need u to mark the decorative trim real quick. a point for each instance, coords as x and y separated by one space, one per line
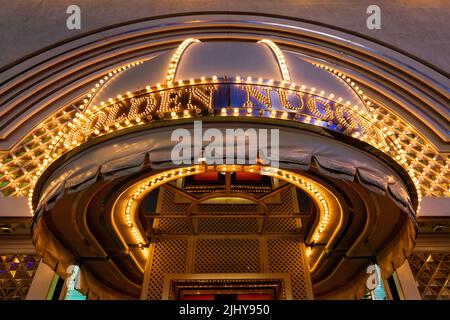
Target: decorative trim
280 283
280 59
176 58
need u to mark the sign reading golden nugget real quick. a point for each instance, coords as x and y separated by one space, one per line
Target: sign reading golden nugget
219 98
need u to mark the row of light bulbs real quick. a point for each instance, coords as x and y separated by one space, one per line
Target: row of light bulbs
309 186
280 59
176 58
87 100
174 62
139 190
145 186
237 79
186 113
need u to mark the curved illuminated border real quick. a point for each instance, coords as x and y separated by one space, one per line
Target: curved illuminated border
176 58
102 82
110 117
127 204
20 167
431 168
321 115
399 155
280 58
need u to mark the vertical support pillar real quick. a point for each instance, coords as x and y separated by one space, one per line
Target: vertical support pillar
406 283
41 283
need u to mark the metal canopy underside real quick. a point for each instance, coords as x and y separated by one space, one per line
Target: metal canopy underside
74 203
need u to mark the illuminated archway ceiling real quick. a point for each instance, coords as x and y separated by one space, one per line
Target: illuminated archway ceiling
373 103
87 204
276 84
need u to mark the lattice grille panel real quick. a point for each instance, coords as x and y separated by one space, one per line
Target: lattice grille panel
286 205
285 256
432 274
281 225
229 255
18 165
170 256
16 273
168 204
172 225
228 208
228 225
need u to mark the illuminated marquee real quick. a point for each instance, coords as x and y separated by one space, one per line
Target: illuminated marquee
220 99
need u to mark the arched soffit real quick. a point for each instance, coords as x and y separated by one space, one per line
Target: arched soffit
136 151
66 77
50 80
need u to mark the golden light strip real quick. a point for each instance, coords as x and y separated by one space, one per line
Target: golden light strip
147 185
280 58
412 165
309 186
99 85
176 58
138 191
428 169
186 113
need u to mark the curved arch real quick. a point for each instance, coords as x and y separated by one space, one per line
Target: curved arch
62 80
289 33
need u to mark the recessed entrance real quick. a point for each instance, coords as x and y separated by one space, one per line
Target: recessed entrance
226 240
231 287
